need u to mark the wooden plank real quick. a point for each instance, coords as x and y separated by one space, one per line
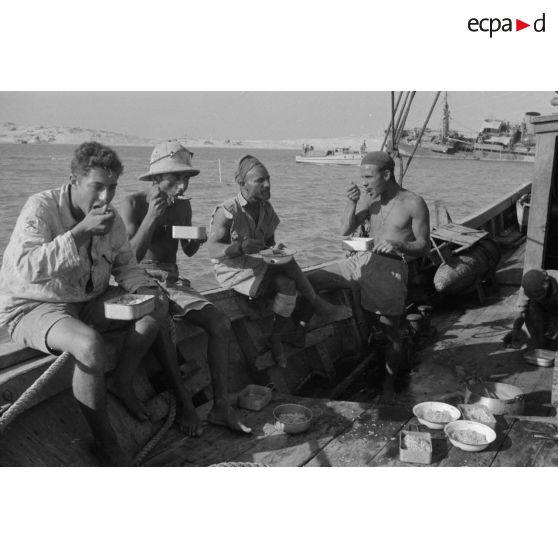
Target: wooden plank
368 435
523 450
13 353
458 234
266 444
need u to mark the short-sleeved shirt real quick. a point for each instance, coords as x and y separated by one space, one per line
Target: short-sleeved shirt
245 273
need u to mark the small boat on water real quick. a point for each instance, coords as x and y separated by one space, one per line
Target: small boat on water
333 374
335 156
496 140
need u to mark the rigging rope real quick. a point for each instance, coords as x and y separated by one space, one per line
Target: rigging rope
25 400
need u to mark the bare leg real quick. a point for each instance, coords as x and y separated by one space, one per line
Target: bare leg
138 341
88 383
165 351
218 328
323 308
390 326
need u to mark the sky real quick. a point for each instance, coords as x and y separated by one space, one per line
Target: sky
255 114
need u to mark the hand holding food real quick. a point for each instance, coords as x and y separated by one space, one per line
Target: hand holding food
353 192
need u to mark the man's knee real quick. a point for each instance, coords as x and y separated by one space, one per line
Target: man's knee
88 348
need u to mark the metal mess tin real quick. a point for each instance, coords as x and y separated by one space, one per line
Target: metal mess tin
540 357
415 446
254 397
129 306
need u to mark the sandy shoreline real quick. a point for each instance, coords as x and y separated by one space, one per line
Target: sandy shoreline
13 133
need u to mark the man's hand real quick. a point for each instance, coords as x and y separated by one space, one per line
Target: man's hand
512 339
386 247
158 203
353 192
98 221
252 246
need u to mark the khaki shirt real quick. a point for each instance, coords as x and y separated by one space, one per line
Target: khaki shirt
43 264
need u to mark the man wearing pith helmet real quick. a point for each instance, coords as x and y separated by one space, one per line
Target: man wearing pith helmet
538 310
149 216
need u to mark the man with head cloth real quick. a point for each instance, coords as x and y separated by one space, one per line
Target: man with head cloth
243 226
398 221
538 310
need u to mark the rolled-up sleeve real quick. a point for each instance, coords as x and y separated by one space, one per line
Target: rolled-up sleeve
39 254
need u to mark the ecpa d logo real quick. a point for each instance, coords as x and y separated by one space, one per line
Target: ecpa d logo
493 25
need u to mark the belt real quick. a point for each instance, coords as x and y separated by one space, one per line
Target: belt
392 256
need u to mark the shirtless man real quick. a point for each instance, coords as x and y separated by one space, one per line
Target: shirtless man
149 216
240 228
399 223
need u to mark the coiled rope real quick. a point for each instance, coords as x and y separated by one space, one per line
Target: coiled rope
171 416
25 400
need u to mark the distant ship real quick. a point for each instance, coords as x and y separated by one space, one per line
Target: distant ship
497 140
335 156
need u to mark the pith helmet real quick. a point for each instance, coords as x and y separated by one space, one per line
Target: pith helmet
170 156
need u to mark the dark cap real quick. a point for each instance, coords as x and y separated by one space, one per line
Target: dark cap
534 283
378 158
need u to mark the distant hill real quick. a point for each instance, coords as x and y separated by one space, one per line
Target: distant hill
10 132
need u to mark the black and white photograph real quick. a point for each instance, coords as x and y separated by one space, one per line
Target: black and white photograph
278 279
223 297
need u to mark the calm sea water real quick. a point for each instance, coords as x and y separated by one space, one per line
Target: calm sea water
309 199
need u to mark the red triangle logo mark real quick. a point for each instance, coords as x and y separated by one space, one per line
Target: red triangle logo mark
519 25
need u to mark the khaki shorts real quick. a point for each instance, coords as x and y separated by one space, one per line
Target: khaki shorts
32 329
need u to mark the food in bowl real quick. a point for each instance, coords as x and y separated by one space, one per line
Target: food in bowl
277 256
292 418
129 306
469 435
435 415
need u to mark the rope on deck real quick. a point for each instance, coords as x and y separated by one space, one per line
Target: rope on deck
146 450
25 400
171 416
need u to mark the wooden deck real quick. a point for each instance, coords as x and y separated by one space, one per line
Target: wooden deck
343 433
356 434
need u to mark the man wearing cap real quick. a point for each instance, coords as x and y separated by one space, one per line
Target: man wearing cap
149 216
538 310
243 226
399 223
55 278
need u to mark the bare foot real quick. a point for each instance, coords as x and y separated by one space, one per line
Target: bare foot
188 421
223 414
278 351
330 311
131 401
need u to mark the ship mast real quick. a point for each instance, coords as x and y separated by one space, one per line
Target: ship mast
445 118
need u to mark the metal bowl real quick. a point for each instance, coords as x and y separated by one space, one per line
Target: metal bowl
500 398
470 426
292 418
422 410
277 256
